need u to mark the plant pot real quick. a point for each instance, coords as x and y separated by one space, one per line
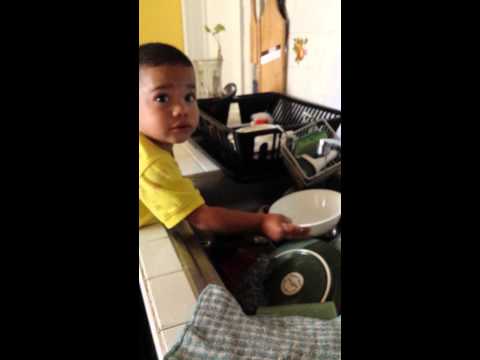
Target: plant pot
208 75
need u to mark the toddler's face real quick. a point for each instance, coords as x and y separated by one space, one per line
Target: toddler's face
168 110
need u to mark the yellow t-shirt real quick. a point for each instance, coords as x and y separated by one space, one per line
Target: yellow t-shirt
165 195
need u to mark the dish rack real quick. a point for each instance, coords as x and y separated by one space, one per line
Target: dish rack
301 179
235 152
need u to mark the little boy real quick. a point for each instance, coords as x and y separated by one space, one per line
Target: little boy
168 115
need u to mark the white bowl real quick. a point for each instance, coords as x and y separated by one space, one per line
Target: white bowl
317 209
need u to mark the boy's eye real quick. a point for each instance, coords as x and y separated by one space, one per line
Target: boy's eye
190 97
161 98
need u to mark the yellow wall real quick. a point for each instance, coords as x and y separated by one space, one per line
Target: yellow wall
161 21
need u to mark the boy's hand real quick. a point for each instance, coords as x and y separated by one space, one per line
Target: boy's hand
277 227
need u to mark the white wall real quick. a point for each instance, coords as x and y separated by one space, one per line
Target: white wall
194 13
201 45
228 13
318 77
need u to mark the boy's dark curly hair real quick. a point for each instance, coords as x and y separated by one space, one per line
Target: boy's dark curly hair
156 54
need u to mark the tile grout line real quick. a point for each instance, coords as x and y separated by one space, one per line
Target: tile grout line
165 274
174 326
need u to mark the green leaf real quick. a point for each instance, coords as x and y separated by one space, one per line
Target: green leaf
207 29
219 28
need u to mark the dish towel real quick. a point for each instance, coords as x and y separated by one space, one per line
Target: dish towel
220 330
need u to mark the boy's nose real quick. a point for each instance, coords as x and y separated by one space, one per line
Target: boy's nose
179 110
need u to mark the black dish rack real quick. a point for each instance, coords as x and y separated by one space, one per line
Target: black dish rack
235 152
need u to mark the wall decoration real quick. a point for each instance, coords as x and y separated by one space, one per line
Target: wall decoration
299 48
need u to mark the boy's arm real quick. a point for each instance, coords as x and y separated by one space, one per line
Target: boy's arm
222 220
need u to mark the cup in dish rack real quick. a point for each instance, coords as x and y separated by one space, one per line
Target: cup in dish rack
260 140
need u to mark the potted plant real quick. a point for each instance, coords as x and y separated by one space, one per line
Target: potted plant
216 30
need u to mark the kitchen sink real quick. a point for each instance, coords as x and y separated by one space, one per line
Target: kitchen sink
223 259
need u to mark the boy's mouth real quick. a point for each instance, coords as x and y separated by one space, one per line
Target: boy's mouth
181 127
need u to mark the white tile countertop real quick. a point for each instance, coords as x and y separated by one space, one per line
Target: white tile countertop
167 295
172 273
